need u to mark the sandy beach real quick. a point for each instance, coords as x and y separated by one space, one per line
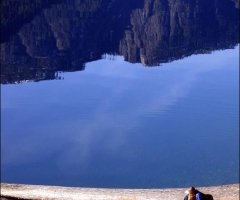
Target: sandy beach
34 192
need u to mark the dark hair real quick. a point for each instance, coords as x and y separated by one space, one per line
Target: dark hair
192 189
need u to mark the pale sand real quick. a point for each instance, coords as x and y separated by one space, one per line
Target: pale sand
37 192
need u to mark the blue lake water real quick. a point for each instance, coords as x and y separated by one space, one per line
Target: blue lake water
121 124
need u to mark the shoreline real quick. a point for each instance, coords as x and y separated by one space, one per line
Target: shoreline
34 192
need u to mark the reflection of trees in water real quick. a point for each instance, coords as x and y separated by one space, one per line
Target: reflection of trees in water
236 3
62 37
163 33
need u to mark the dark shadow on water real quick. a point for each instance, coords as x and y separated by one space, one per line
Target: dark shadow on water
61 36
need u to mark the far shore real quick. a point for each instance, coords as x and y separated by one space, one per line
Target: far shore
36 192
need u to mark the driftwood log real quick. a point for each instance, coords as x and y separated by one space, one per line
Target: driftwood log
37 192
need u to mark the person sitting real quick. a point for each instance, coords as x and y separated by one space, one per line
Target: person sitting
193 194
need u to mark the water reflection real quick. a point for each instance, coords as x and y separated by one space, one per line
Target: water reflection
119 124
112 133
62 36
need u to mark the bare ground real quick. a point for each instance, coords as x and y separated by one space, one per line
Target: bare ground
37 192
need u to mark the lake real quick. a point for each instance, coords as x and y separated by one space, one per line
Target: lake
120 94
